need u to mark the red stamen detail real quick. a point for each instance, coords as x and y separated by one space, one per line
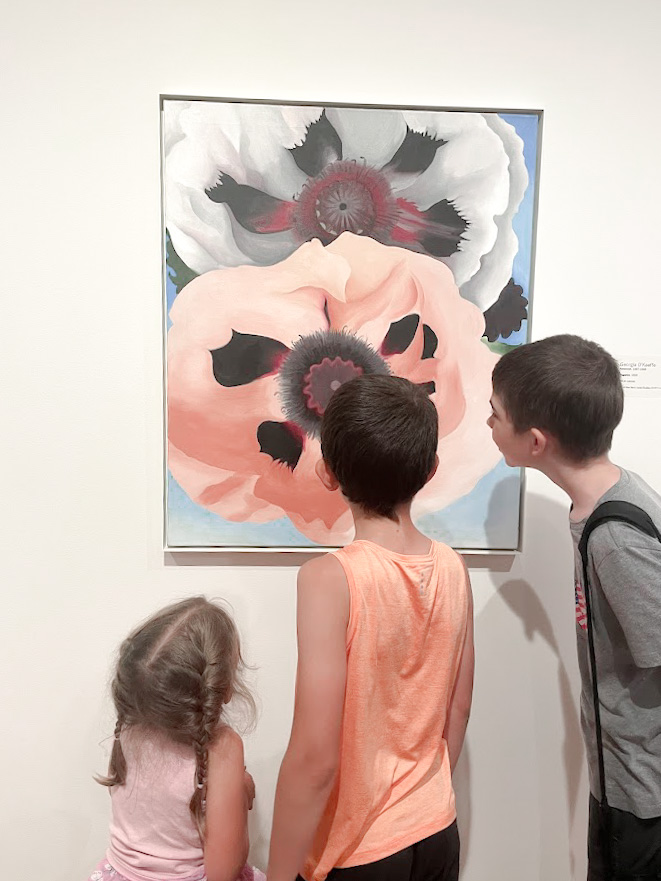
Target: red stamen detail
411 218
295 431
278 220
414 225
411 223
346 197
404 236
279 360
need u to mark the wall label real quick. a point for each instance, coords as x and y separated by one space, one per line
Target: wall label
641 376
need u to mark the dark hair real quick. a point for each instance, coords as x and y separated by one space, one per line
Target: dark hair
567 386
174 674
379 436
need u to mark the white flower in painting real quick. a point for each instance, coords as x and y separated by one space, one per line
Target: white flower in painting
248 183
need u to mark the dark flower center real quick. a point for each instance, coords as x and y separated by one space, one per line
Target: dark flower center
346 196
309 374
316 367
325 378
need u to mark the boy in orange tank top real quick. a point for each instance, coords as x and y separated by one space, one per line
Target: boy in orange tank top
385 662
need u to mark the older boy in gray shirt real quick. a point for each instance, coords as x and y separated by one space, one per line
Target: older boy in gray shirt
555 405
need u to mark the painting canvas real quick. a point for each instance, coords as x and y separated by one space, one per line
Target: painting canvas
308 244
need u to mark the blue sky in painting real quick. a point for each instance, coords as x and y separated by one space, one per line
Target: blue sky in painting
468 522
170 294
190 525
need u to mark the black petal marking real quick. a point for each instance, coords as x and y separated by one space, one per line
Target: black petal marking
430 344
416 153
322 145
429 387
507 313
444 229
245 358
282 441
255 211
400 335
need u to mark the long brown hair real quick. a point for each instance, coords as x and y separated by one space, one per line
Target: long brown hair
174 674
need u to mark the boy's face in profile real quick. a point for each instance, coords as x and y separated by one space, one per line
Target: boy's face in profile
513 446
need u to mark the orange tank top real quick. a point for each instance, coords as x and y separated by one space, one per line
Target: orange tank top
405 636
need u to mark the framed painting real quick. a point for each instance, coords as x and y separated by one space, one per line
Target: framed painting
306 244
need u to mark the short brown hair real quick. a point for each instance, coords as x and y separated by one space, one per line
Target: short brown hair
174 674
379 436
567 386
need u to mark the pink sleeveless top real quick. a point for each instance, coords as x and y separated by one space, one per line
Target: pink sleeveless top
152 832
405 636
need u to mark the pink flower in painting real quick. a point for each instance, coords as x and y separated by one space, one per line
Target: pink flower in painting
254 355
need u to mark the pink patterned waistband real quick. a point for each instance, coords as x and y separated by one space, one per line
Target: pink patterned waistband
105 872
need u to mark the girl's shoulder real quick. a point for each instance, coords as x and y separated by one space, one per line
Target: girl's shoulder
227 746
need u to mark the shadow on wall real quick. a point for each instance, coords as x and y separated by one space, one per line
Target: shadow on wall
543 605
525 603
546 608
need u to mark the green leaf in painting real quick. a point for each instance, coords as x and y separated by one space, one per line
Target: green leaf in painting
498 348
178 273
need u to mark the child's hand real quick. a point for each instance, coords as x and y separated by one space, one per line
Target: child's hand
249 785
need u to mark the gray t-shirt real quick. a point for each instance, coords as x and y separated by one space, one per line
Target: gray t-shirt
624 568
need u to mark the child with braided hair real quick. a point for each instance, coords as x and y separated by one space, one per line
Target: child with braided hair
180 791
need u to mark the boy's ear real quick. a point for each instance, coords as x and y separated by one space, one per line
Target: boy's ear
539 442
326 476
433 469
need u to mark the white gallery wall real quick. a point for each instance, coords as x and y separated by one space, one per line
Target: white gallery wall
81 388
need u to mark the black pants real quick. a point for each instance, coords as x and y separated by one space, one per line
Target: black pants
635 846
433 859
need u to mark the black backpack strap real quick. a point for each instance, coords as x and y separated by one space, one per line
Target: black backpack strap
604 513
622 511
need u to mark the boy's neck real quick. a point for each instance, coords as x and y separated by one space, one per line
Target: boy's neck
400 536
584 483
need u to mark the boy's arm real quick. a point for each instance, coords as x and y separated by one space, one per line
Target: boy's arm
310 763
462 694
629 576
228 801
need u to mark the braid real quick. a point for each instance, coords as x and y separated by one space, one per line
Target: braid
202 768
117 766
206 724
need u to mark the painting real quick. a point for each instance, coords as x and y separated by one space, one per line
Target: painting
308 244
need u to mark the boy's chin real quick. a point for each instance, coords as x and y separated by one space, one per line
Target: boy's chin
512 462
